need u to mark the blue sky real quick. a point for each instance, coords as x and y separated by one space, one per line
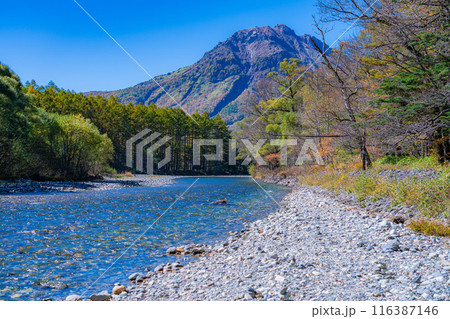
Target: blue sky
56 40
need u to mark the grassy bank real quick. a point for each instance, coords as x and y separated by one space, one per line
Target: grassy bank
429 196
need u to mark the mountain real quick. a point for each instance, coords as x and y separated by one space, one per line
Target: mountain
223 78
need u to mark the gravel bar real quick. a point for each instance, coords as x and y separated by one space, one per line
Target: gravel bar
313 248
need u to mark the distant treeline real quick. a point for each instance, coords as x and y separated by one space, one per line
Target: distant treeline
51 133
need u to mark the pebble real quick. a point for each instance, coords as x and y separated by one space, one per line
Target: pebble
357 256
159 268
73 298
390 246
135 276
385 224
252 292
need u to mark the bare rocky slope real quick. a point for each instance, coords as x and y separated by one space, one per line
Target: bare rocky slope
222 79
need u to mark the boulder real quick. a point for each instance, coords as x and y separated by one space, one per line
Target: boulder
118 289
197 251
399 219
171 251
219 202
179 250
101 296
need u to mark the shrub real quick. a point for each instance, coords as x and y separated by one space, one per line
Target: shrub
110 171
79 147
389 159
406 162
430 227
69 147
368 184
273 160
252 169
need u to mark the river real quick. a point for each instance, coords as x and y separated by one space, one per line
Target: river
56 244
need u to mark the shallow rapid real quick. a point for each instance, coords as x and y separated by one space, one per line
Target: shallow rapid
57 244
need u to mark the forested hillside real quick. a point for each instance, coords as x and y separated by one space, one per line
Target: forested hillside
122 121
50 133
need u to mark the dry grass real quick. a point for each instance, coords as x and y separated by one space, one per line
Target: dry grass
430 227
125 174
407 163
431 197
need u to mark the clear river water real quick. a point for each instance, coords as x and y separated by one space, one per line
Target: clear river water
57 244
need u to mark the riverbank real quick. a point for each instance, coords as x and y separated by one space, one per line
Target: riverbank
415 191
29 186
313 248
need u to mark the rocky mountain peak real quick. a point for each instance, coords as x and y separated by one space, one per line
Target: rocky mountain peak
282 28
222 80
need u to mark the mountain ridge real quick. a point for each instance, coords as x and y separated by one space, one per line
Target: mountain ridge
221 81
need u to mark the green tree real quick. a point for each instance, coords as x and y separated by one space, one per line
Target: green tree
15 109
78 150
